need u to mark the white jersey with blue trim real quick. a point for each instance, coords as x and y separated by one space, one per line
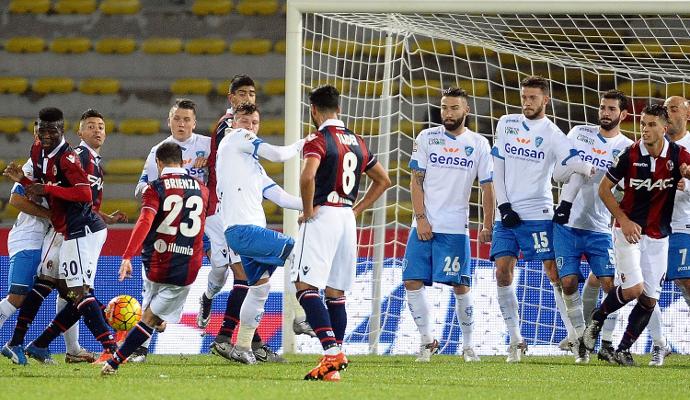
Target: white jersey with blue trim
588 211
680 220
28 231
452 163
241 179
194 147
531 149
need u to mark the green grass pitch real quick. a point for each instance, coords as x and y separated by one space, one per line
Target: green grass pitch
368 377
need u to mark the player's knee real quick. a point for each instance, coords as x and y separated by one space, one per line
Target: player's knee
606 284
238 271
413 285
684 285
461 289
569 284
504 276
16 299
633 292
647 302
333 293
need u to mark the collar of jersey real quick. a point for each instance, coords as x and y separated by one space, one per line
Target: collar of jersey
191 138
173 170
57 148
93 152
332 122
643 149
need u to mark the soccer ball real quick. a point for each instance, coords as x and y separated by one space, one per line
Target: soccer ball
123 312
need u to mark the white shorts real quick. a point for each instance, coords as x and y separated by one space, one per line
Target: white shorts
166 300
79 258
644 262
50 255
326 249
221 254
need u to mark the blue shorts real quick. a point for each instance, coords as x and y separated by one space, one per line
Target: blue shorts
678 257
22 273
534 238
262 250
571 244
443 259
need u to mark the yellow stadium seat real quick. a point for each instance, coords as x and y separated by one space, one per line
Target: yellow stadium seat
75 6
99 86
70 45
272 127
279 47
641 88
258 7
25 44
672 89
13 84
475 87
411 128
124 166
274 87
433 46
116 46
53 85
377 48
419 87
272 168
9 214
128 206
205 46
191 86
120 7
211 7
223 87
250 46
162 45
270 208
339 48
645 49
401 211
29 6
139 126
3 165
11 125
365 126
679 50
374 89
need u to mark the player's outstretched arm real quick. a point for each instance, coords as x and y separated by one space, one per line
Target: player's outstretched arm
279 153
381 182
568 194
283 199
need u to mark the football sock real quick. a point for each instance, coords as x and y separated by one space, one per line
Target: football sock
419 308
232 311
637 321
573 305
250 314
338 316
6 310
68 316
655 329
318 318
464 309
71 335
612 303
136 337
93 319
29 309
590 296
609 326
216 280
560 304
508 303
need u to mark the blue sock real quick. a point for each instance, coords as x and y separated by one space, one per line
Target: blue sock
338 316
135 338
317 316
94 320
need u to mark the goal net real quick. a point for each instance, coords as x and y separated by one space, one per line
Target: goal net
390 69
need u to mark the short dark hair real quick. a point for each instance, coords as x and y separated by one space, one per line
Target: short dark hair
91 113
246 108
169 153
454 92
617 95
186 104
240 80
657 110
536 81
52 116
326 98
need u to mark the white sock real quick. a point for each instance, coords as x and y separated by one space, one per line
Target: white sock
560 304
250 314
71 335
507 301
6 310
147 343
590 297
419 308
573 305
654 326
464 309
609 326
217 277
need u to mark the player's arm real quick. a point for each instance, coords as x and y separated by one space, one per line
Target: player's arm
307 186
568 192
278 153
631 230
684 158
113 218
485 176
417 165
380 182
273 192
141 229
568 161
148 174
79 190
22 203
509 218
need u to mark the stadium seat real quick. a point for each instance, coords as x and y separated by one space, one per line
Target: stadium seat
223 87
433 46
629 125
128 206
672 89
679 50
191 86
120 7
411 128
279 47
162 45
377 48
205 46
25 44
339 48
211 7
13 84
274 87
29 6
401 211
420 87
258 7
9 214
11 125
365 126
139 126
475 87
99 86
270 127
75 6
124 166
53 85
374 89
645 49
253 46
273 168
70 45
116 45
270 208
641 88
473 53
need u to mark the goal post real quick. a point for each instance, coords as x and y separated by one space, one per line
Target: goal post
391 58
